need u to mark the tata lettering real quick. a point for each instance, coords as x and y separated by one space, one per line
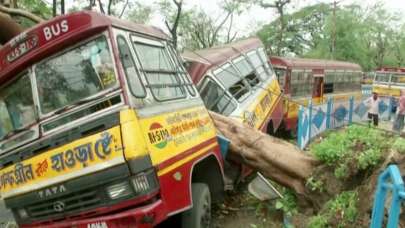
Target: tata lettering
56 29
51 191
97 225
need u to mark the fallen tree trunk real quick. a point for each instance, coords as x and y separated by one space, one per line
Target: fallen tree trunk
21 13
274 158
9 28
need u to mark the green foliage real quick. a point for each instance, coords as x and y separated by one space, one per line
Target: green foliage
369 158
399 145
370 36
341 211
318 221
314 185
344 208
288 204
332 149
356 148
341 171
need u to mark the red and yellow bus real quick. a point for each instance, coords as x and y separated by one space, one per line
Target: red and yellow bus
100 126
314 79
389 81
236 80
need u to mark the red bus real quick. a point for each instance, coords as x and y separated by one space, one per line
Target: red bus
100 126
314 79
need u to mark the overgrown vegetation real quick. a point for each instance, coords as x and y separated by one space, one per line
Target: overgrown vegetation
399 145
339 212
357 149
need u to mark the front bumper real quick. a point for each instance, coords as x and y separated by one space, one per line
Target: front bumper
141 217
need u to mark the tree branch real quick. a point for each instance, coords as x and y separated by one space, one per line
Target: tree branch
109 7
215 33
101 7
21 13
124 8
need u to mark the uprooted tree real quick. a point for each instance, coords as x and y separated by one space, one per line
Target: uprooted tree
335 182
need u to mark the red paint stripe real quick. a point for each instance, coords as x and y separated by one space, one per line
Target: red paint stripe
186 153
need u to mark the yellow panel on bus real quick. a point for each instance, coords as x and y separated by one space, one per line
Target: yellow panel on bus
82 156
259 111
171 134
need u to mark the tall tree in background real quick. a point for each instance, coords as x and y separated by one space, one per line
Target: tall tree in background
173 16
137 12
198 29
279 5
369 36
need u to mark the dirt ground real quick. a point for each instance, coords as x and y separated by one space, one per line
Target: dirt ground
241 210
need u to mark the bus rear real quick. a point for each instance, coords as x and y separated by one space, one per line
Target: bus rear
100 126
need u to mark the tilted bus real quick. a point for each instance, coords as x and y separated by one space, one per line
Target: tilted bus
314 79
100 126
389 81
236 80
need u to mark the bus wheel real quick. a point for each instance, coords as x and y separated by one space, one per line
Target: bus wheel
199 216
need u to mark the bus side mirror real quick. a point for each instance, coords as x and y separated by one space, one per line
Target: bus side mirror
262 189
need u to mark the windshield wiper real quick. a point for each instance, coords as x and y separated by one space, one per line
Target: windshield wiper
78 103
15 131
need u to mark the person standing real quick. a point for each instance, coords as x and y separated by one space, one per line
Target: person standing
399 120
372 104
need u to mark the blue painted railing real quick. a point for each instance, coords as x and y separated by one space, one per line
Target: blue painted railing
390 181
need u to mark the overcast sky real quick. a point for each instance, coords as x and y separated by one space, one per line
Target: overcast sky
248 22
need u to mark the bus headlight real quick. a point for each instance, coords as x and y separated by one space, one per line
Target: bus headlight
119 190
145 182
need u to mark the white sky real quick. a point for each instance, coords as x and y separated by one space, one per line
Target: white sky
249 20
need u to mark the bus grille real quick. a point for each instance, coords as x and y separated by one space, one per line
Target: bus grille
65 205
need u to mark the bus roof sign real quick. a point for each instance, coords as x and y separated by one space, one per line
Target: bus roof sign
60 32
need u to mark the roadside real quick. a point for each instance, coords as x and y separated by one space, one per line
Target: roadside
241 210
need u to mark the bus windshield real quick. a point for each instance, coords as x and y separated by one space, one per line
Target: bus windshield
16 106
74 75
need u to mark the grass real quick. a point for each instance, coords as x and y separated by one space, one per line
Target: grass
356 148
340 211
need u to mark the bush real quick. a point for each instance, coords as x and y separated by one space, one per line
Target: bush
399 145
362 145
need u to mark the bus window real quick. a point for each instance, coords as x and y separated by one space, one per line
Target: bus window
382 77
328 85
281 75
232 81
75 75
216 99
398 78
16 106
135 84
265 60
258 65
161 76
301 84
181 69
247 71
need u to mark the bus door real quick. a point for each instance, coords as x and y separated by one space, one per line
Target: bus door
317 89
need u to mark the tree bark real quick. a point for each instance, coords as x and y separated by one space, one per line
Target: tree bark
278 160
21 13
9 28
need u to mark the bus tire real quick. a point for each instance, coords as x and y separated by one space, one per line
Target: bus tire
199 216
